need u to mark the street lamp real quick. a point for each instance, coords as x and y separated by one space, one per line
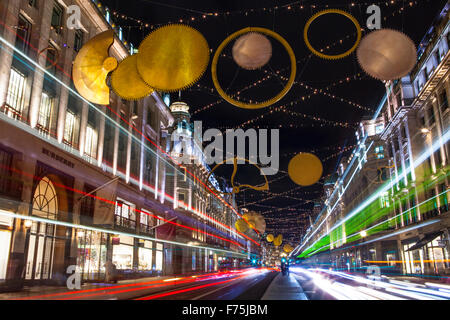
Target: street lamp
28 224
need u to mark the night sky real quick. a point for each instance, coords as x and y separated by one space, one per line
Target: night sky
287 206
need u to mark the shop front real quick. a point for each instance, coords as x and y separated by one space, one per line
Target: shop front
91 258
145 255
123 252
5 243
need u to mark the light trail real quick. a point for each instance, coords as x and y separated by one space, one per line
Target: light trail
149 284
136 210
375 288
425 155
110 231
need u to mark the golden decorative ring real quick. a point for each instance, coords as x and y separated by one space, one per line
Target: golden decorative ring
265 103
338 56
237 189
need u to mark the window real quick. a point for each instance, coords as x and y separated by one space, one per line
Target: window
147 221
438 158
6 159
78 43
69 128
125 214
45 112
431 118
23 34
443 100
90 148
57 18
15 98
52 60
87 206
379 128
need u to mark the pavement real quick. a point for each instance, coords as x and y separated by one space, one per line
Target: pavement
284 288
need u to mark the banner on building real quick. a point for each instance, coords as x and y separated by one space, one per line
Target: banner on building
105 204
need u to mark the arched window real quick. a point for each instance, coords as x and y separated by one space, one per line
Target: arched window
45 201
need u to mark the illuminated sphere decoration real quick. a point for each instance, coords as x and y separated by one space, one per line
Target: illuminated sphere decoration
387 54
278 241
288 248
305 169
241 225
252 51
270 238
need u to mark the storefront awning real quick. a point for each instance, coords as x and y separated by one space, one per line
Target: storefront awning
429 237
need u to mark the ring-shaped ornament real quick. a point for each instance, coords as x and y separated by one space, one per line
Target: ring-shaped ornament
263 104
237 189
338 56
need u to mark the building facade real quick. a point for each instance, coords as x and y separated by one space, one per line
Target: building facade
83 184
389 207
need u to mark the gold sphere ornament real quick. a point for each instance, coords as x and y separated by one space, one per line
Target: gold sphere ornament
387 54
288 248
270 238
126 81
241 225
305 169
173 58
278 241
252 51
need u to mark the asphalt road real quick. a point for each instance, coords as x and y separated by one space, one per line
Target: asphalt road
241 287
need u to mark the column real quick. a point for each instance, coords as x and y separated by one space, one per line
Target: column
11 19
116 134
101 139
83 125
129 141
38 79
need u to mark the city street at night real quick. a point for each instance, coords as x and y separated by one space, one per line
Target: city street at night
222 158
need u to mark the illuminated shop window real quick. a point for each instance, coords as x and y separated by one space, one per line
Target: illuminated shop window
146 256
159 257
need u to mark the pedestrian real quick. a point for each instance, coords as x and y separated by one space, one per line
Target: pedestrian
110 272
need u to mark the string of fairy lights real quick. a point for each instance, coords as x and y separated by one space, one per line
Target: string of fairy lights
292 8
291 213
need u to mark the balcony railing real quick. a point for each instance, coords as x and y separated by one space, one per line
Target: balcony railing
150 230
125 222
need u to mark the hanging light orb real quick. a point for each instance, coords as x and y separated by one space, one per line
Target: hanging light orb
288 248
305 169
387 54
270 238
241 225
252 51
